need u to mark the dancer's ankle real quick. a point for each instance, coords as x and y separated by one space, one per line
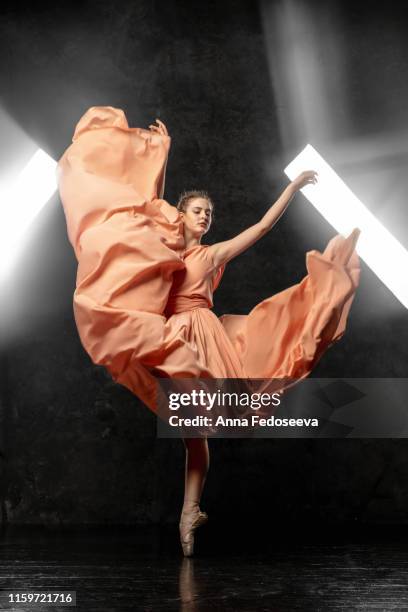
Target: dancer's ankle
190 505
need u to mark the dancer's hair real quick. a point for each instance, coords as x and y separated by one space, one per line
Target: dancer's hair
186 197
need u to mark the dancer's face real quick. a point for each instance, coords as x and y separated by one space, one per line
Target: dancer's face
197 217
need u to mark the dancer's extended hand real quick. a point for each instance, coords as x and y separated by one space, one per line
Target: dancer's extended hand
159 129
309 177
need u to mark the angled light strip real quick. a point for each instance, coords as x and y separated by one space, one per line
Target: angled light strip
387 257
20 201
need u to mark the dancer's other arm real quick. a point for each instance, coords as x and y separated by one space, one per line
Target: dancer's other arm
160 129
162 180
228 249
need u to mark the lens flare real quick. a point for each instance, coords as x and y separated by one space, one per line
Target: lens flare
20 201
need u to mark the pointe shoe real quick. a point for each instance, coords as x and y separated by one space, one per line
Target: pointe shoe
189 522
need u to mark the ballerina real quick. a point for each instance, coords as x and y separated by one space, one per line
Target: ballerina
145 283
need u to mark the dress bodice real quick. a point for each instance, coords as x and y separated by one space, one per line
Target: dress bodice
193 287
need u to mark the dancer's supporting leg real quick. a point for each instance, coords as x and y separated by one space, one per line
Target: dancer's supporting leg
196 468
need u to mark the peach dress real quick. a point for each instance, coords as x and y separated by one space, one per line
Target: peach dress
142 303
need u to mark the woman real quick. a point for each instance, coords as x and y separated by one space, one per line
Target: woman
145 282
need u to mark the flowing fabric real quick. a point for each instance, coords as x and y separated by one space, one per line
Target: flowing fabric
143 304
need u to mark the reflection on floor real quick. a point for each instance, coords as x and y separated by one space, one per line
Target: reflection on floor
117 569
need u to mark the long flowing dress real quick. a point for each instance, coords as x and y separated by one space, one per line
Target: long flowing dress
143 304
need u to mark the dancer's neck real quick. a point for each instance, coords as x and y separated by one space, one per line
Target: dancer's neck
190 240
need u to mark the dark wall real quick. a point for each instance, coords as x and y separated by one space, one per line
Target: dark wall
78 448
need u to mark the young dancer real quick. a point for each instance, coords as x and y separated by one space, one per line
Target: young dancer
145 283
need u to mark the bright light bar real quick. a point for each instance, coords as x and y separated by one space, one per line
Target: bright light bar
387 258
21 201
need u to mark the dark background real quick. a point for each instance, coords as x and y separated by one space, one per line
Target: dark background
75 447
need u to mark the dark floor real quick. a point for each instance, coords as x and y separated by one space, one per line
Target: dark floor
142 569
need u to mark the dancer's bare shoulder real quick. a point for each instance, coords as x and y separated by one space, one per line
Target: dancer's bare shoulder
224 251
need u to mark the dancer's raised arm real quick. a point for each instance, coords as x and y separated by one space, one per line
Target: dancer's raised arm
160 129
228 249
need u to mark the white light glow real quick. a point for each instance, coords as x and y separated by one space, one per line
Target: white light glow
20 201
387 257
